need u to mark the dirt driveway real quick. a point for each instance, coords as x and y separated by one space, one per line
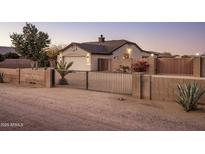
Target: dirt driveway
23 108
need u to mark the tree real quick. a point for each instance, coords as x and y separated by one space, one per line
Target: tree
30 43
11 55
52 52
2 58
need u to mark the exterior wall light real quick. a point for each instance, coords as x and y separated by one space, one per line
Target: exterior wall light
152 55
129 50
61 56
197 54
88 58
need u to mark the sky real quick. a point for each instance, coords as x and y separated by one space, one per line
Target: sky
177 38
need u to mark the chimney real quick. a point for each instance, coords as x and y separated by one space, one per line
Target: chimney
101 38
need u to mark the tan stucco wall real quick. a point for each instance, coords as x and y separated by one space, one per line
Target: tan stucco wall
135 52
78 56
117 57
161 87
81 64
94 61
115 64
37 78
10 75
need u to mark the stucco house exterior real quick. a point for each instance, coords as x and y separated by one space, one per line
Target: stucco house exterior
97 56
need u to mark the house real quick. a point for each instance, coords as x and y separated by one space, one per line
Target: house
4 50
98 56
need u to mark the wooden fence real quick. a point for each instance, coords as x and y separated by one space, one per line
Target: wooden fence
100 81
175 66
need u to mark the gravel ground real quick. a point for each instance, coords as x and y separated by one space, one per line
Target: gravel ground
24 108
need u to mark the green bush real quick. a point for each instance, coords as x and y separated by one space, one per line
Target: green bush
11 55
140 66
189 95
2 58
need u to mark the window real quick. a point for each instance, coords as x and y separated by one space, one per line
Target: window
126 56
74 48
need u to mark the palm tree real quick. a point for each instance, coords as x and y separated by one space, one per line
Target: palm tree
52 52
63 70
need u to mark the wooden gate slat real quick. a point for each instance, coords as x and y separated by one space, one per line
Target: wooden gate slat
175 66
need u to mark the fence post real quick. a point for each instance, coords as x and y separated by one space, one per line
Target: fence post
152 65
86 80
48 78
18 75
137 85
197 67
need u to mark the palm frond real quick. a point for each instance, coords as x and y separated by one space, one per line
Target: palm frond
63 68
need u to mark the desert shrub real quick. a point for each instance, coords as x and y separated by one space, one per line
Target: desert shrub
124 68
189 95
11 55
63 70
140 66
1 77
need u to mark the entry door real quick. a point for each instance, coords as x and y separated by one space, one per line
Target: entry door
103 64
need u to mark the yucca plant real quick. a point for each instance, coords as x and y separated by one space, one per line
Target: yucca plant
63 70
1 77
189 95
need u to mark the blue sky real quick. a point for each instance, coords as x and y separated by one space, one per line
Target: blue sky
178 38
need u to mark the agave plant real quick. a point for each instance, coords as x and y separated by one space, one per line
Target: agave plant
63 70
1 77
189 95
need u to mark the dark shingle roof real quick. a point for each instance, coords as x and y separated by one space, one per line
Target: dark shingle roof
106 47
4 50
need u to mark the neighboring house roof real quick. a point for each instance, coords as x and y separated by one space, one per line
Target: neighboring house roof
15 63
105 47
4 50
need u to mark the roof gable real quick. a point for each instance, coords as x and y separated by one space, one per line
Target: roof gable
4 50
106 47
